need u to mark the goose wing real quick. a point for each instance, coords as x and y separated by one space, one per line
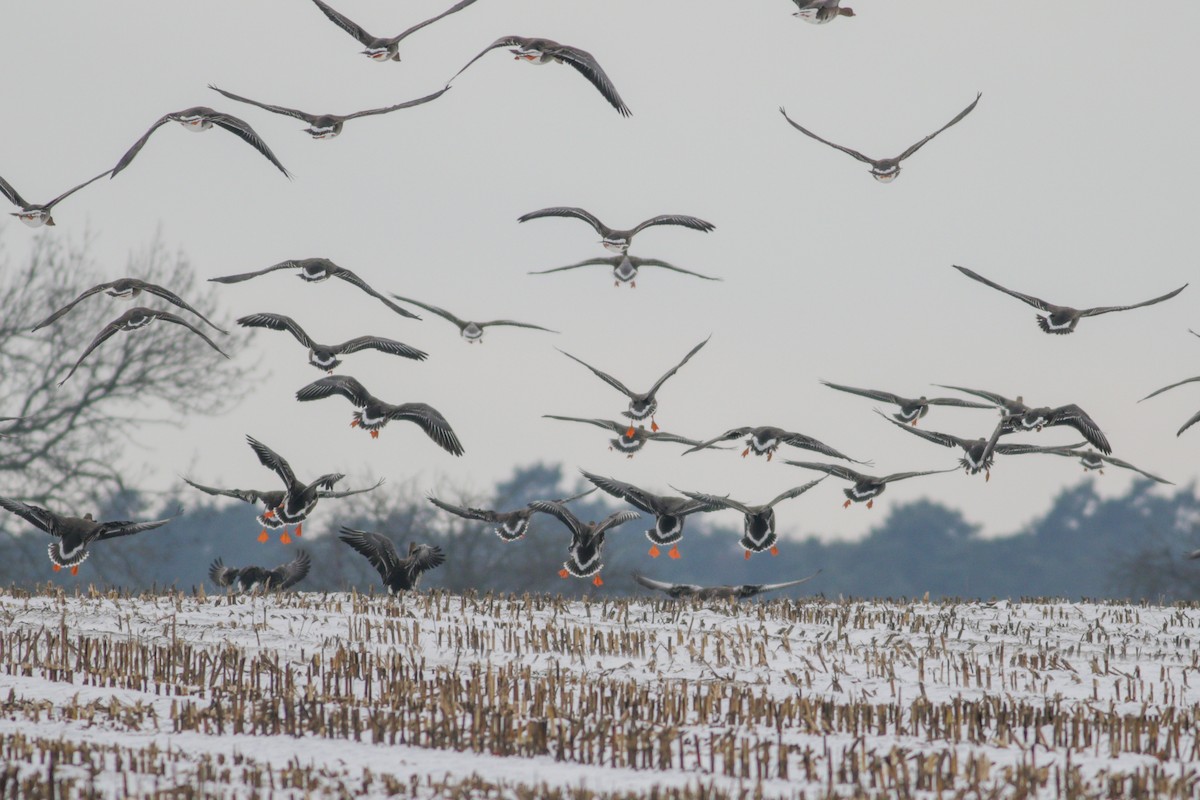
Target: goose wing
459 6
97 289
245 495
658 383
944 439
514 324
611 262
587 65
466 512
638 498
422 558
287 112
34 515
1078 419
169 317
695 223
137 146
616 519
566 211
376 547
836 470
103 336
277 322
1192 421
351 278
795 492
1036 302
432 422
432 309
727 436
245 276
774 587
954 121
883 397
381 344
111 530
655 262
328 493
807 132
174 299
330 385
661 586
12 194
274 462
345 23
503 41
900 476
1172 386
562 513
241 129
1091 312
287 575
406 104
617 427
604 376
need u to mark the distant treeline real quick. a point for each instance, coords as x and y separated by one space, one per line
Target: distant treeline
1132 546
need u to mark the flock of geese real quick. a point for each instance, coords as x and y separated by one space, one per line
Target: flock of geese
287 506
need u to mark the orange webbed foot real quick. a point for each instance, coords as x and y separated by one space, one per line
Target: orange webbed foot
56 568
263 537
629 433
596 581
870 504
633 284
299 528
746 452
654 551
353 423
653 424
616 284
914 422
674 553
629 456
562 573
374 434
75 570
746 555
774 551
285 539
269 514
987 475
769 454
846 504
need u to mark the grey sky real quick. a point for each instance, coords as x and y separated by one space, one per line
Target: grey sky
1072 180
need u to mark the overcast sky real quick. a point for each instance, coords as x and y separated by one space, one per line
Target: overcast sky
1072 180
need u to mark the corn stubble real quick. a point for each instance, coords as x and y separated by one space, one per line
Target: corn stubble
845 699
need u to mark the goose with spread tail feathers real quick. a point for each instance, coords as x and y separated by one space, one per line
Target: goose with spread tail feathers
1062 320
132 320
534 50
866 487
884 170
271 499
669 512
325 356
509 525
642 405
126 289
758 524
202 118
678 591
315 270
327 126
625 268
398 574
37 214
74 534
252 579
614 239
765 440
471 331
374 414
299 499
382 48
587 539
911 409
629 439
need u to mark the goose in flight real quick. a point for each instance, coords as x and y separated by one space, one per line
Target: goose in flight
642 405
126 289
625 268
820 12
884 170
132 320
299 498
327 126
382 48
587 539
374 414
1062 319
765 440
251 579
758 523
677 591
325 356
471 331
627 442
614 239
74 534
1071 415
669 512
509 525
866 487
315 270
398 574
202 118
539 51
911 409
37 214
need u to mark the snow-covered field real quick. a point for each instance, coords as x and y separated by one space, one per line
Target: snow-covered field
441 695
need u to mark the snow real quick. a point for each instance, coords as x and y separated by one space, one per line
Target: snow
847 690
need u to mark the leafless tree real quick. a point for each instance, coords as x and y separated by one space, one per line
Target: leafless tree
66 450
